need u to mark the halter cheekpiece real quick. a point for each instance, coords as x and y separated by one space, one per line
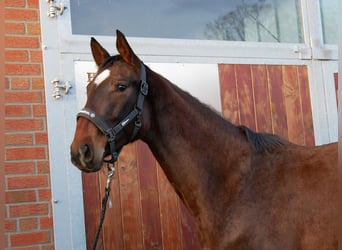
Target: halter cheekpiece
134 115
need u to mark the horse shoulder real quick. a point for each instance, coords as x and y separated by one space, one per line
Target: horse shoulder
290 193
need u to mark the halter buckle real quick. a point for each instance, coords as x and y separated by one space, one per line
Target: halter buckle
143 87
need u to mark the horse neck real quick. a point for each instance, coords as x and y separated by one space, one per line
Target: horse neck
193 144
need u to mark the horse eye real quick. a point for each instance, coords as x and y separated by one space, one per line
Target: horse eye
120 87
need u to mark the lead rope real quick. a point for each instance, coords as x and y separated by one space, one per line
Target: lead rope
111 171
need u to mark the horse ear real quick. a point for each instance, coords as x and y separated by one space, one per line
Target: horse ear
125 50
99 53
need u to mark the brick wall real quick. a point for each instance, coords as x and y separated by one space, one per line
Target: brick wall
28 212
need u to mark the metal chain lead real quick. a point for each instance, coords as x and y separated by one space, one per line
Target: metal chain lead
111 171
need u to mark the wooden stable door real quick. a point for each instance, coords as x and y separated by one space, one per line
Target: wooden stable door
269 98
144 211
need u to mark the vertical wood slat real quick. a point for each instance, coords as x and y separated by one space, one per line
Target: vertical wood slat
169 213
292 103
303 81
130 198
228 91
245 95
262 99
112 225
91 206
149 198
279 120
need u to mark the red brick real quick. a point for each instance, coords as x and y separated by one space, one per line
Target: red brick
20 196
24 97
30 238
21 42
25 153
17 110
39 110
33 3
41 138
19 167
27 248
10 225
23 69
28 209
44 194
18 139
20 83
15 28
20 14
24 124
14 3
48 247
28 224
46 222
43 167
38 83
16 56
33 28
36 56
27 181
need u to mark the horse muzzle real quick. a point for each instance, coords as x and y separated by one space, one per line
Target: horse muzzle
86 158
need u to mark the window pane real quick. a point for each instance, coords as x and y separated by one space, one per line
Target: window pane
329 14
248 20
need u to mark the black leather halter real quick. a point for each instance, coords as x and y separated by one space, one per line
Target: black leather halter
135 114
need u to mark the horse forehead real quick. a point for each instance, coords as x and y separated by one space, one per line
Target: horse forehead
116 71
102 76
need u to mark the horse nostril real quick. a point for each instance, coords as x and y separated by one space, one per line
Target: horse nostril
86 152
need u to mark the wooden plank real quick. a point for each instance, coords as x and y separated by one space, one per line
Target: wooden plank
245 95
149 198
303 81
91 206
293 107
230 106
275 86
169 213
130 198
262 99
190 238
112 231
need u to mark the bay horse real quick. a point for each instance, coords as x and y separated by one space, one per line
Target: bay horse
246 190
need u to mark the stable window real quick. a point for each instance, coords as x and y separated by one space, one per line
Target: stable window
329 14
250 20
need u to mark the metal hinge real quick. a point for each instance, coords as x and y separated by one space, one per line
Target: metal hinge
55 9
58 88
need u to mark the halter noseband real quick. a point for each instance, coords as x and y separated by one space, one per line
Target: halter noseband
112 132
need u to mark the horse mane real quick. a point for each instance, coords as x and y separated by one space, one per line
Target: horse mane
262 142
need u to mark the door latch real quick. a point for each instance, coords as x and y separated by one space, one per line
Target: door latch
58 88
303 52
55 9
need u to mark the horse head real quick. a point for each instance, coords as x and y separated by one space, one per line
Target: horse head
114 113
